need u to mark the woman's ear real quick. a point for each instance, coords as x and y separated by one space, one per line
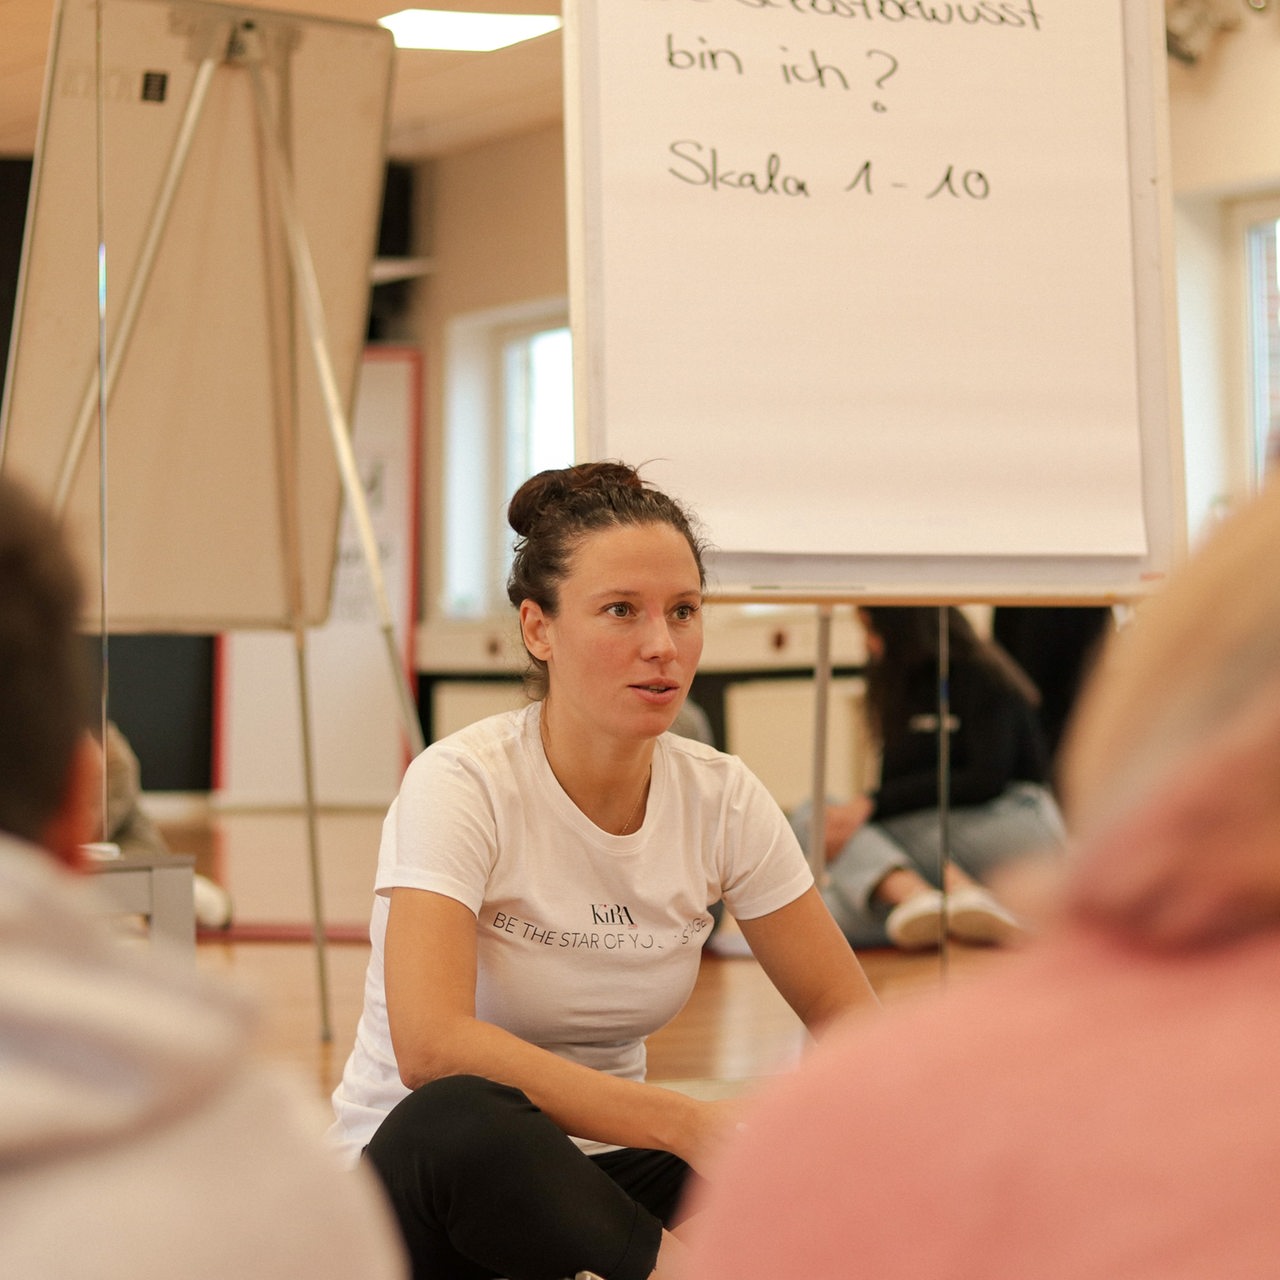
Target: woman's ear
72 826
534 627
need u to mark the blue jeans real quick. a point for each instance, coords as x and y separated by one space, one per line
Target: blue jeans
1023 820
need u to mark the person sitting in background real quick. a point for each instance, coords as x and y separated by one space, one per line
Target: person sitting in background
1104 1102
136 1136
133 831
884 850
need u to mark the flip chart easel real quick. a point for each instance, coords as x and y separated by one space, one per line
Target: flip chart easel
239 159
939 363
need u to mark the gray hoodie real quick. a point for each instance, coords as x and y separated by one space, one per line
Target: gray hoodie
137 1136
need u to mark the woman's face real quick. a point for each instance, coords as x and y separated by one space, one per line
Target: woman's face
622 649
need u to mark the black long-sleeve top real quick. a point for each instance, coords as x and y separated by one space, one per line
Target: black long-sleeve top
995 741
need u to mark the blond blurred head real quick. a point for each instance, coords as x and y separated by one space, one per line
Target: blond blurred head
1171 771
1197 656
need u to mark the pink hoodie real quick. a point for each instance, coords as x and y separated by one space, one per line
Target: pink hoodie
1083 1110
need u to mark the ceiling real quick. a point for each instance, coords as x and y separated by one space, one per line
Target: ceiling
441 102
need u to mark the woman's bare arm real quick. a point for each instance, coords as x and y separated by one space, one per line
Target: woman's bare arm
809 961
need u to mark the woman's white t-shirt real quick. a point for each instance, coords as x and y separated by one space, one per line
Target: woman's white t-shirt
586 942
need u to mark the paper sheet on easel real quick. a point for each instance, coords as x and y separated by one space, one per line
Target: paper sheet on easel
864 285
197 493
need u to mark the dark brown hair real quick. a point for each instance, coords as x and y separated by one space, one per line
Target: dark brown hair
554 511
912 639
44 702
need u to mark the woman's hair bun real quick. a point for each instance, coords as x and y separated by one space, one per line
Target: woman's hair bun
550 489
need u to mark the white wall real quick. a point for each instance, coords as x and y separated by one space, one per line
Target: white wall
492 220
1223 112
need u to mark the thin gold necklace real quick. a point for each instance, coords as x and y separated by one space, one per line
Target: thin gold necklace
644 786
545 734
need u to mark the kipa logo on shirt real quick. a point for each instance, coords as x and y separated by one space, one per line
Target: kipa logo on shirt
611 913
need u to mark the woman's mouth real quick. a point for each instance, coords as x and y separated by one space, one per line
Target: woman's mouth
657 688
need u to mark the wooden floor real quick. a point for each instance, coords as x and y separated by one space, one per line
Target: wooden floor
735 1027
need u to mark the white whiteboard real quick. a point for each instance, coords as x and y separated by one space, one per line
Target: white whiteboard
220 367
883 297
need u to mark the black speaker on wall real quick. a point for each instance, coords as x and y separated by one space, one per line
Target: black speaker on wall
395 240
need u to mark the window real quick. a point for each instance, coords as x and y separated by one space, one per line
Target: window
508 414
1262 240
537 385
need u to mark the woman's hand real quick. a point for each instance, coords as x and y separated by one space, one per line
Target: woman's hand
714 1124
843 821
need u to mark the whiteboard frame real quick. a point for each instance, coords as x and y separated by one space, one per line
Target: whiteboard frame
751 577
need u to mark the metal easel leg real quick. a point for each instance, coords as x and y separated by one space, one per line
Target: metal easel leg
313 834
247 49
944 778
290 517
817 850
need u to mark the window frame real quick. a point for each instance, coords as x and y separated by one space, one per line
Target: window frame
1245 217
476 462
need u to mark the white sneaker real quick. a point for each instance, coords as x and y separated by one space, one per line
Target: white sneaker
973 915
212 903
916 925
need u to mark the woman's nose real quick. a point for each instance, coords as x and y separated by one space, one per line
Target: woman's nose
658 642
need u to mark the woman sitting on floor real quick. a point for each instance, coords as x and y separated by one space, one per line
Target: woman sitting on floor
542 901
884 850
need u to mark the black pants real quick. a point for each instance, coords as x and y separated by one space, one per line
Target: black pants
485 1185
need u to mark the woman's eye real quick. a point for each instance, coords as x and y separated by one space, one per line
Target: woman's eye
619 610
684 612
